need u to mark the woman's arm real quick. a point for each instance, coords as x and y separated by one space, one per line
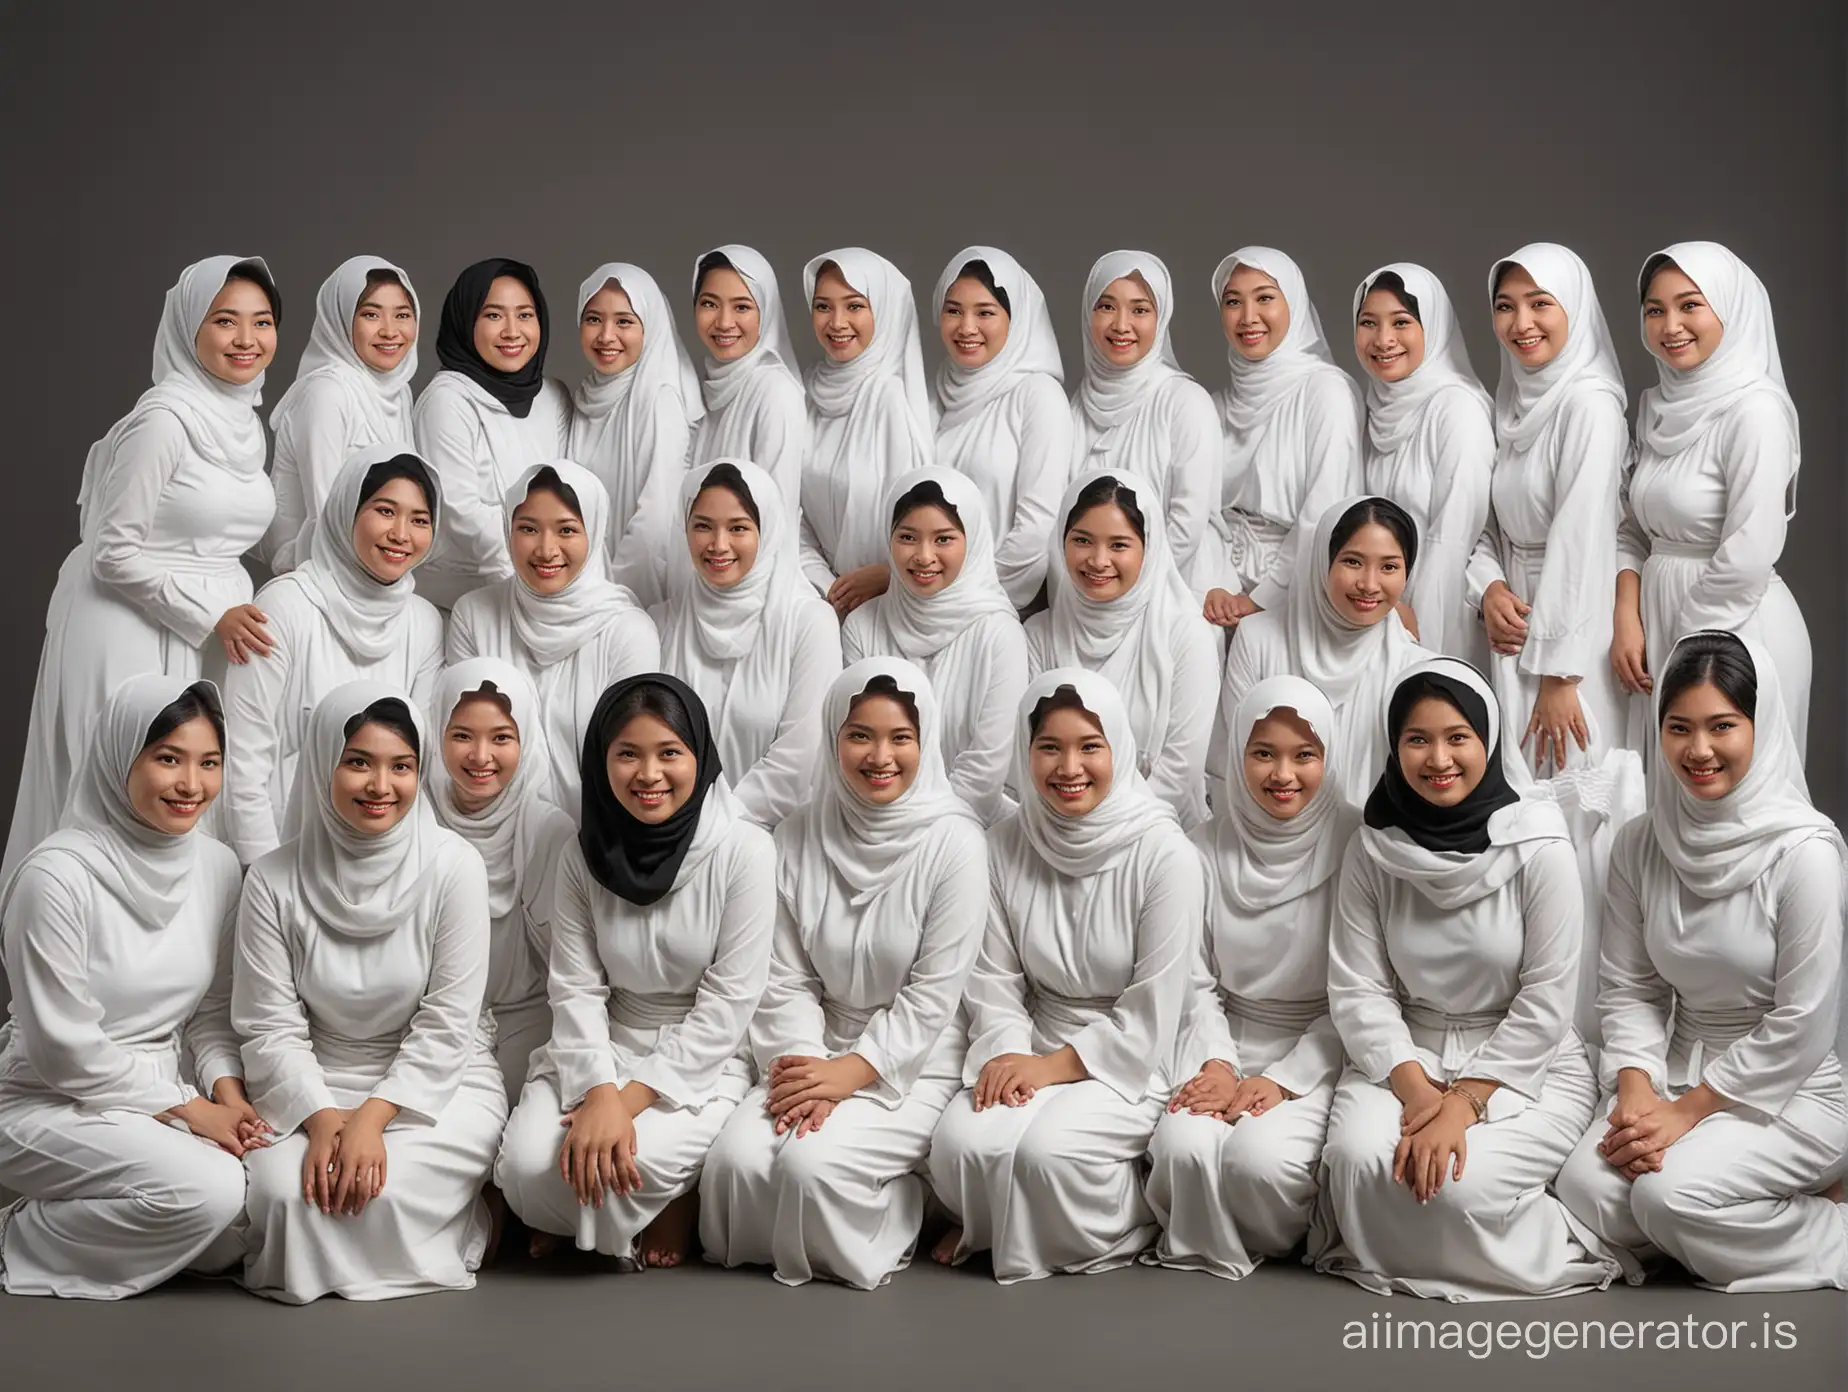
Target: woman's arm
780 781
208 1035
469 532
1633 1000
1043 423
1178 774
1520 1052
1465 459
979 770
255 709
1567 632
1758 457
789 1017
1334 425
996 991
280 1068
1362 1000
1196 444
577 985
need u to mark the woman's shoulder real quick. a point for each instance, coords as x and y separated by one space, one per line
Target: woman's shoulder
284 600
1181 395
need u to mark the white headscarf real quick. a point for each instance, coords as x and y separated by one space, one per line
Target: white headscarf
553 626
723 382
920 626
383 398
1031 343
1095 842
1326 647
1111 396
835 388
1396 409
1527 398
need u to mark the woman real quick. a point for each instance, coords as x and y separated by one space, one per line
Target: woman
490 788
751 384
1292 422
948 613
870 419
1233 1163
1340 630
117 937
350 612
633 415
558 617
1430 441
1452 967
1095 902
660 950
362 956
1136 412
1725 917
489 414
1707 505
352 389
172 498
750 635
1005 422
882 884
1538 572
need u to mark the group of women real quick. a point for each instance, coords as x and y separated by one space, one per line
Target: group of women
721 809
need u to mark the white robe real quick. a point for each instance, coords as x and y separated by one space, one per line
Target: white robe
1017 448
833 542
767 423
322 428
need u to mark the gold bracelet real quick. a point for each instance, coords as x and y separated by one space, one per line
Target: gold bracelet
1477 1105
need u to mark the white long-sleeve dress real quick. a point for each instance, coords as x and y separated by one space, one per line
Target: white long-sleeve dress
1016 447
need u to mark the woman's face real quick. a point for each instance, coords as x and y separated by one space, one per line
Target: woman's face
1368 575
507 326
610 331
1707 741
878 750
1679 325
843 317
650 768
974 326
1529 321
173 781
1283 764
1387 337
1124 321
375 782
1069 761
1254 312
384 326
928 547
721 537
392 530
481 750
725 315
549 544
1103 554
237 338
1440 753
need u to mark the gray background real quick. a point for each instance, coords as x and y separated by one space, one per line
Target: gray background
141 138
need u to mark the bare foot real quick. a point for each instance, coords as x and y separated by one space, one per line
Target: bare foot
668 1240
1834 1192
945 1251
541 1245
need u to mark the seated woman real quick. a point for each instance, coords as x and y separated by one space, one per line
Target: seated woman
1234 1161
117 935
362 959
1094 913
660 950
1452 967
1720 982
882 884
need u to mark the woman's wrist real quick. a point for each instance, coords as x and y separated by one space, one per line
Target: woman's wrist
229 1092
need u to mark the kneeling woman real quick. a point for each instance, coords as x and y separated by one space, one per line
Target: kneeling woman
1724 911
660 950
1452 972
362 959
1095 906
1233 1175
882 886
118 939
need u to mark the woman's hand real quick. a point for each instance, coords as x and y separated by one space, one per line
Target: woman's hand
804 1117
1424 1156
359 1168
1649 1135
1225 609
210 1121
1255 1096
857 586
1209 1092
1557 713
244 630
1003 1081
1407 617
324 1129
1629 648
252 1130
599 1148
797 1078
1504 618
1419 1097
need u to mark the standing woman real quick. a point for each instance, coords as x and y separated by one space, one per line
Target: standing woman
558 617
750 383
1120 609
1005 421
1452 968
632 416
1430 441
870 419
172 498
882 886
349 612
1095 906
117 937
352 389
1136 412
948 613
1707 507
489 414
1233 1163
744 629
362 957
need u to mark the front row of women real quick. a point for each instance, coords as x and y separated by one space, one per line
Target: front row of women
1304 1025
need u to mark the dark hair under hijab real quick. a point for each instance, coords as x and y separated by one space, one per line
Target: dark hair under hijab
548 481
1395 803
728 477
455 336
710 262
1386 513
1394 284
391 713
927 494
1714 657
201 698
1062 698
979 269
258 275
1101 491
399 466
636 860
884 685
1661 261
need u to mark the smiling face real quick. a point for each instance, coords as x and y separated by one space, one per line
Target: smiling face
1440 753
481 751
384 326
1254 313
843 317
1679 325
507 327
1103 554
1283 764
375 782
237 338
174 780
650 768
722 538
392 530
1069 762
1529 321
725 315
610 331
1388 338
973 324
1707 741
928 547
549 545
878 749
1368 575
1124 321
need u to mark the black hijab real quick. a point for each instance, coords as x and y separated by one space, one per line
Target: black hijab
455 337
1395 803
633 859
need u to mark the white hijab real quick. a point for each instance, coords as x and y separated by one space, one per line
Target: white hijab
1099 840
1113 396
1527 398
1395 410
921 626
723 382
1326 647
382 398
835 388
1031 346
554 626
